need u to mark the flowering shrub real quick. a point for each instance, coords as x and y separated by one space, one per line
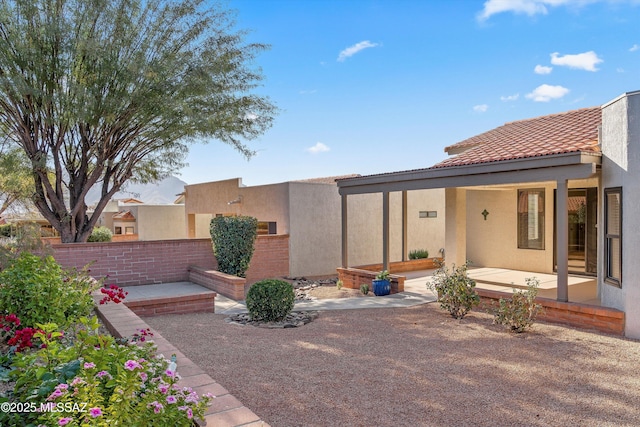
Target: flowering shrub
519 312
97 381
113 293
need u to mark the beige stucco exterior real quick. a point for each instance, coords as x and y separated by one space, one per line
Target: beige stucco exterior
310 213
158 222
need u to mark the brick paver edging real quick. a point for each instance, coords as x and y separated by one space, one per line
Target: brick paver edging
224 411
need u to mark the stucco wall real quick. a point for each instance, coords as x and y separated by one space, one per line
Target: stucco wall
265 202
494 242
620 140
159 222
315 228
365 225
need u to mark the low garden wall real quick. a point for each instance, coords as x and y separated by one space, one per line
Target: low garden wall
352 278
165 261
586 316
233 287
400 266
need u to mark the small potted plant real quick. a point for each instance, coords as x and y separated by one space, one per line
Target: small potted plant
382 284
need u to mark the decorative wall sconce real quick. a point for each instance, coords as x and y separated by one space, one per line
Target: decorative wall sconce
484 214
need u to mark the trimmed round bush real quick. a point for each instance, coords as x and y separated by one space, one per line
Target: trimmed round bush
100 234
270 300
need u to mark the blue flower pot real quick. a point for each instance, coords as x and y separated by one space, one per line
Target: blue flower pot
381 287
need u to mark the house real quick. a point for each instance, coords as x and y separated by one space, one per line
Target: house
554 194
308 213
132 219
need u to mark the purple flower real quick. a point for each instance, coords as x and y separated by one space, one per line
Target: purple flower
77 380
189 413
132 365
64 421
103 374
53 396
89 365
192 398
95 412
143 376
62 387
164 388
171 399
170 373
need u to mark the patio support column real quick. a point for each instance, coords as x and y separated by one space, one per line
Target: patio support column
385 230
345 233
405 240
562 240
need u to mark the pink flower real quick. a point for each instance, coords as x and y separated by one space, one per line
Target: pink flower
132 365
64 421
164 388
157 407
170 373
62 386
143 376
77 380
89 365
53 396
171 399
103 374
95 412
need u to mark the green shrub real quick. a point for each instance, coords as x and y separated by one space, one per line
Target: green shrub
364 288
38 290
233 240
100 234
270 300
339 284
418 254
519 312
27 237
383 275
456 291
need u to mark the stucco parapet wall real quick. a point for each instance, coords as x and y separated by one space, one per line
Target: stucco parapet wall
225 284
225 410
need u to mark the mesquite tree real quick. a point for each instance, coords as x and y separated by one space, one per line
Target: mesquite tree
99 92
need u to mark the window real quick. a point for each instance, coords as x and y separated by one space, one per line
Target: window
267 227
118 230
613 235
531 219
128 230
428 214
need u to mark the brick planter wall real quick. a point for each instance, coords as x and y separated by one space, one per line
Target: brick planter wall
233 287
203 303
352 278
400 266
270 258
601 319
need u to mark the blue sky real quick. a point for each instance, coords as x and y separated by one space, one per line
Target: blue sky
374 86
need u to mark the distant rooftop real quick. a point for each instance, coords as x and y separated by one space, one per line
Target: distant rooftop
328 179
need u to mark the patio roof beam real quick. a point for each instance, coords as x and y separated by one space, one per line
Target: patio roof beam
385 231
434 178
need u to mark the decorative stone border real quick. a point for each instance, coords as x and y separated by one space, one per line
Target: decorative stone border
225 410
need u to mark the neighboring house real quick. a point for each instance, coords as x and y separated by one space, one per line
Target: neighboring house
559 193
132 217
309 213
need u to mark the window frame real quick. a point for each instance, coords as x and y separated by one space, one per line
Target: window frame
526 243
609 237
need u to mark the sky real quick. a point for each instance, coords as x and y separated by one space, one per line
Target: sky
376 86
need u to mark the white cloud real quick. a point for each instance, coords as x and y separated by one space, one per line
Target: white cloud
634 48
546 93
541 69
510 98
528 7
480 108
582 61
318 148
352 50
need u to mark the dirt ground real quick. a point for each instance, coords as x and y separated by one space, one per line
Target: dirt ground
415 366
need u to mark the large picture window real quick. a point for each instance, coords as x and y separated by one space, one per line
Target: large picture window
531 219
613 235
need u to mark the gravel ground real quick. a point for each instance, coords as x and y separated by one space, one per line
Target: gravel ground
415 367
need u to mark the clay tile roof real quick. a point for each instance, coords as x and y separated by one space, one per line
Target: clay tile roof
124 216
568 132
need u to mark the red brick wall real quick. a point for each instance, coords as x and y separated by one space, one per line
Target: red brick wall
162 261
352 278
270 258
